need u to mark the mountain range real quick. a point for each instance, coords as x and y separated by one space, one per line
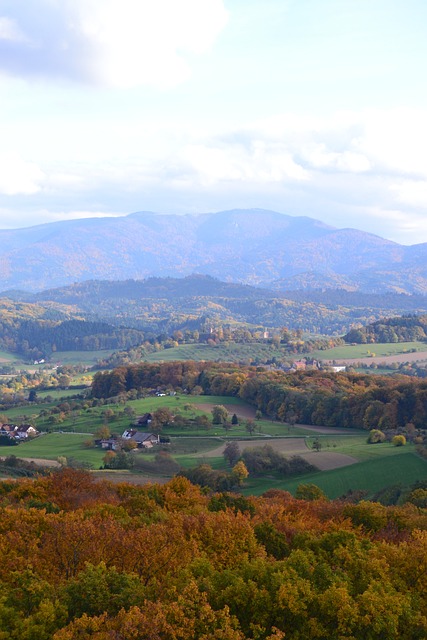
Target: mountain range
254 246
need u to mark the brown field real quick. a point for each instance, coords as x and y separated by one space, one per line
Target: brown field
327 460
324 430
324 460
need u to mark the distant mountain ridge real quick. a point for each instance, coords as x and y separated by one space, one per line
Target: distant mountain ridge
254 246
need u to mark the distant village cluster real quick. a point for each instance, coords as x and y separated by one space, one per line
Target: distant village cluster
18 432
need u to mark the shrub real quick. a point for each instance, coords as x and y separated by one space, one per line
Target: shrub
398 441
375 435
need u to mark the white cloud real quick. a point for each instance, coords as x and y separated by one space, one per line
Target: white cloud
411 192
9 30
18 176
396 139
263 163
118 43
320 157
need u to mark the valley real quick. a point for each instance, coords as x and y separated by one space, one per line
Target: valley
60 344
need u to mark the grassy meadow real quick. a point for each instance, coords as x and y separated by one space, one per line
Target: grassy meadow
224 352
52 445
9 358
370 475
363 351
88 358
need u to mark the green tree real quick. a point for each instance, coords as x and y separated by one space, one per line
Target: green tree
418 497
375 435
309 492
219 414
98 588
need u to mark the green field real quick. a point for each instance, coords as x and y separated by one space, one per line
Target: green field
52 445
357 447
9 358
365 350
80 357
225 352
371 476
57 394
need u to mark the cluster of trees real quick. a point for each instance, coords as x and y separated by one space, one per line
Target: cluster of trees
263 460
308 397
402 329
88 559
204 476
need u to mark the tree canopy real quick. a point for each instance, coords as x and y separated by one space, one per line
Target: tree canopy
89 559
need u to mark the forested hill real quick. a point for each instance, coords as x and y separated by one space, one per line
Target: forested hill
252 246
402 329
37 330
163 305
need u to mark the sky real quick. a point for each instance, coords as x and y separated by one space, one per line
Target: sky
305 107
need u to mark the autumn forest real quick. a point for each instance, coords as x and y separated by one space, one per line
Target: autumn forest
87 559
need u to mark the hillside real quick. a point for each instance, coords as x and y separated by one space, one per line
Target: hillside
255 246
160 305
402 329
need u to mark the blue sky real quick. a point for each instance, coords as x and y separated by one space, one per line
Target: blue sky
307 107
